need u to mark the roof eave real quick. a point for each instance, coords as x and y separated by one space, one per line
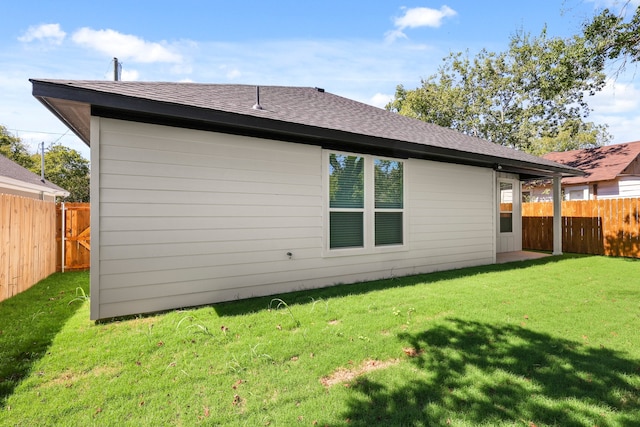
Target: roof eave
31 188
197 118
80 131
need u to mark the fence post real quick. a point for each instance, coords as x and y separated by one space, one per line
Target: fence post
557 216
64 234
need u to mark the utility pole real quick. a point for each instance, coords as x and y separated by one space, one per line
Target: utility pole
116 70
42 162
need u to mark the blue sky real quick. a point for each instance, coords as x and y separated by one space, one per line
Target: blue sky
353 48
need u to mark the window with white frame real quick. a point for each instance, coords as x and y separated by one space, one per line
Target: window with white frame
575 194
365 201
506 207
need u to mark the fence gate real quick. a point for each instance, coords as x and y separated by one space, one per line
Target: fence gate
74 236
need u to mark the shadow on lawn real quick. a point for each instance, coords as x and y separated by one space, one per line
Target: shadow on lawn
251 305
30 321
482 373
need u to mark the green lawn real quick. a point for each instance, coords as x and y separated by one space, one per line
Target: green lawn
547 342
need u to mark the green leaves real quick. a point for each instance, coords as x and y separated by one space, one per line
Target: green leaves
67 168
516 98
63 166
13 148
610 36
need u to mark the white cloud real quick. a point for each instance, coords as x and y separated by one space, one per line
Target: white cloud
182 68
380 100
618 106
233 74
622 128
50 33
230 72
616 98
393 35
423 17
616 4
418 17
125 46
129 75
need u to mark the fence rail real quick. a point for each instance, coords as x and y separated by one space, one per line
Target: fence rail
599 227
27 243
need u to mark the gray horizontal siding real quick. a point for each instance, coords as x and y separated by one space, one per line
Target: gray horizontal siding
190 217
451 214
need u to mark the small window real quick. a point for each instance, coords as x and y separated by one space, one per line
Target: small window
506 207
576 195
366 201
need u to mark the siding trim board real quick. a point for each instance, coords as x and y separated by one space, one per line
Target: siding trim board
95 183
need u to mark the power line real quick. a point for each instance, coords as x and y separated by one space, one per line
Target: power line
61 134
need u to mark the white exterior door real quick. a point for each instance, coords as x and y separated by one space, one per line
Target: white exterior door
509 218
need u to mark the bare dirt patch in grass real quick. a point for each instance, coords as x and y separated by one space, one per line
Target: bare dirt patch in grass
70 377
343 375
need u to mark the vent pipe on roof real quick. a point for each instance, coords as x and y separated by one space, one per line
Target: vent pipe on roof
116 69
257 105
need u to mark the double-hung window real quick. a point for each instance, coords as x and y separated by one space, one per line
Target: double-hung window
365 201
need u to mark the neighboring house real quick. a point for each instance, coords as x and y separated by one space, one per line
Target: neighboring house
203 194
611 171
16 180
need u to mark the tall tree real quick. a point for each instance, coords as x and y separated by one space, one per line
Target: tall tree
519 98
615 36
63 166
13 148
66 168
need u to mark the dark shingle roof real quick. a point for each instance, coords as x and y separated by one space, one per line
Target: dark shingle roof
12 170
302 111
600 163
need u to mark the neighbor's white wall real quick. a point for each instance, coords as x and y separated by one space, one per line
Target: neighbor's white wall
627 186
540 194
190 217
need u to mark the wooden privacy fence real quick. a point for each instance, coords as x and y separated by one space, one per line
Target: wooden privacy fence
74 251
27 243
599 227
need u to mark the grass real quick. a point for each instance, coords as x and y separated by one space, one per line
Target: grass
538 343
30 321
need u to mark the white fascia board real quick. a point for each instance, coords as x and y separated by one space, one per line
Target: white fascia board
15 184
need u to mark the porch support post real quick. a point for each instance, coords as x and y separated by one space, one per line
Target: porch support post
557 215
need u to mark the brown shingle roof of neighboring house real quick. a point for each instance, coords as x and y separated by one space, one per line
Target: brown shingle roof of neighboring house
600 163
299 114
15 175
